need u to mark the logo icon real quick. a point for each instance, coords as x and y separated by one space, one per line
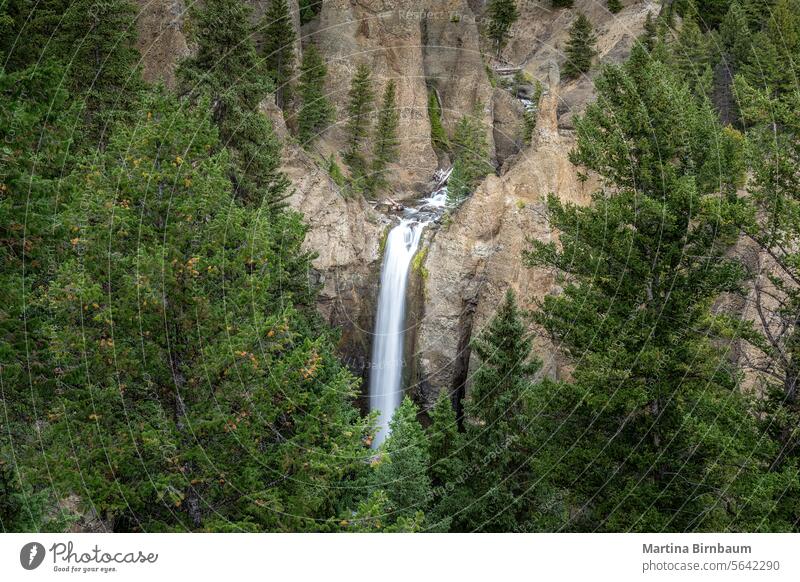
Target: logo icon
31 555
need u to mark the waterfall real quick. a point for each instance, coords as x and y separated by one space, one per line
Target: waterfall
386 373
385 387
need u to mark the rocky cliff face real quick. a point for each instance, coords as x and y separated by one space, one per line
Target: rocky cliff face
541 34
161 38
475 259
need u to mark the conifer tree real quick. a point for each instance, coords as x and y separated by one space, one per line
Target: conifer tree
644 379
773 225
403 471
757 11
278 46
499 493
227 71
36 130
471 154
445 442
359 109
615 6
316 111
580 48
385 142
735 36
562 3
438 133
448 465
502 14
692 57
94 41
309 9
710 13
650 34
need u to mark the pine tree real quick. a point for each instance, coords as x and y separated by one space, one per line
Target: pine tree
279 37
615 6
447 464
36 130
772 224
650 35
226 70
580 48
309 10
445 442
692 57
403 471
316 111
385 142
562 3
652 395
757 11
438 133
765 68
94 41
358 117
471 154
500 493
709 12
735 36
502 14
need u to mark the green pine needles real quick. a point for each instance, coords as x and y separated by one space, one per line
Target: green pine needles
278 49
580 48
316 111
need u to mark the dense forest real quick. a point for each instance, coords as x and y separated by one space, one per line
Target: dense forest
164 366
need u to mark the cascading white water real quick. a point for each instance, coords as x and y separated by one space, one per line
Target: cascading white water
387 349
386 376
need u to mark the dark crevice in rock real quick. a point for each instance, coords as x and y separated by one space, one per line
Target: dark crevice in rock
461 361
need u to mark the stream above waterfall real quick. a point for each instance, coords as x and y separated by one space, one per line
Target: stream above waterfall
388 359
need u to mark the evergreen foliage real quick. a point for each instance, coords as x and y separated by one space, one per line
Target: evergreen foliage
580 48
772 223
498 491
385 142
735 36
94 46
471 157
614 6
654 407
402 472
309 10
316 112
502 14
226 71
163 366
359 109
162 255
277 49
692 57
438 133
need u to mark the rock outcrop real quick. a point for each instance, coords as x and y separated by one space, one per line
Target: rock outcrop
475 259
541 34
161 39
453 63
